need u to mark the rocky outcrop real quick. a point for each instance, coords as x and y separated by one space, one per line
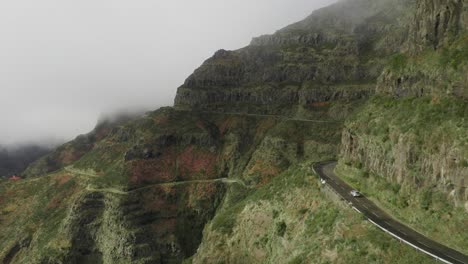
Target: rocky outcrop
270 99
194 181
145 192
409 163
437 22
346 43
433 59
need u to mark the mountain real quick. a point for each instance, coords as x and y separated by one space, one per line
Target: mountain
15 160
225 175
72 151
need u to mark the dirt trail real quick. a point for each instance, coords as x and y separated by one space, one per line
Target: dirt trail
170 184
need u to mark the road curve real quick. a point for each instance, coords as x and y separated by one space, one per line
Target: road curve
386 222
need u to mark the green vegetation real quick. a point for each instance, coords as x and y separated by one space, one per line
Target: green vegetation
455 55
384 126
399 150
431 72
25 207
398 62
292 210
131 191
426 210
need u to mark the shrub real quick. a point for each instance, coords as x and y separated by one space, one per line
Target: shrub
398 62
426 199
281 228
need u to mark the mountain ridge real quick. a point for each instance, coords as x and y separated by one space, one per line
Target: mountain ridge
240 117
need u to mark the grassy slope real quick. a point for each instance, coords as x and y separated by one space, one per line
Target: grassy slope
289 220
31 212
427 124
426 211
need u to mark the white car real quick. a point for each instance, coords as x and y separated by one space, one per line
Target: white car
355 193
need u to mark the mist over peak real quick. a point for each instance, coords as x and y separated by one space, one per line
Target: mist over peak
63 63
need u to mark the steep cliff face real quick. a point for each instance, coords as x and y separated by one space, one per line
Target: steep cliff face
415 142
290 220
336 53
421 135
224 175
437 22
433 60
144 192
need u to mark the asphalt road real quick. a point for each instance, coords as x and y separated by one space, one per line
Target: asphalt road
378 216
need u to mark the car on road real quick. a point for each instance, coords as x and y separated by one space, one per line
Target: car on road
355 193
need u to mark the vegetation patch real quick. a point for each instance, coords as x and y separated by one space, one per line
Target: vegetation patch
423 210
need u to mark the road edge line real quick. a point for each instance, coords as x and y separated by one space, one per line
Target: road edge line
409 243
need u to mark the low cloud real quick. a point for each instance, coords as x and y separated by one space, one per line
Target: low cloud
63 63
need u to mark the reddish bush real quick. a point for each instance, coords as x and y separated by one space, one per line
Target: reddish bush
200 125
62 179
15 178
320 104
161 119
263 172
227 124
158 170
193 162
102 133
69 156
59 200
265 126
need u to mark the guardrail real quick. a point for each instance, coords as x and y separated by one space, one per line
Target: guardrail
409 243
384 229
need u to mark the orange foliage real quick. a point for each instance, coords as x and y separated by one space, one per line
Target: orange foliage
264 169
200 125
161 119
227 124
320 104
203 191
265 126
193 161
264 172
62 179
102 133
59 200
69 156
158 170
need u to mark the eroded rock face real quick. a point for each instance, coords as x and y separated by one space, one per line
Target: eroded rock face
439 26
407 164
342 44
437 22
144 193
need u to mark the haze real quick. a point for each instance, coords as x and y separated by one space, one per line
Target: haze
64 63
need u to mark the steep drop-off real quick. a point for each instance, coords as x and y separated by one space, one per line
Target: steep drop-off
415 132
336 53
224 176
144 193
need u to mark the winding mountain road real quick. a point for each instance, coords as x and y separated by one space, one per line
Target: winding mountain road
385 222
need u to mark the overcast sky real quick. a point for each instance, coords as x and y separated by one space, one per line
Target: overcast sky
63 63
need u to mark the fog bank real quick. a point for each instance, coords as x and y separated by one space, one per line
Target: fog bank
64 63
